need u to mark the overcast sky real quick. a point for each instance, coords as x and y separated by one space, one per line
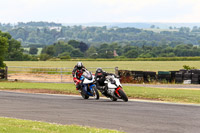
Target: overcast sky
84 11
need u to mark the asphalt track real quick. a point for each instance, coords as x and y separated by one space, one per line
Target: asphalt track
132 116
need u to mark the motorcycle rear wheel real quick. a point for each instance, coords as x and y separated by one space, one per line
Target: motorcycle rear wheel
84 95
113 99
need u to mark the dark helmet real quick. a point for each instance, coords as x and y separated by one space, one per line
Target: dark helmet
79 65
99 71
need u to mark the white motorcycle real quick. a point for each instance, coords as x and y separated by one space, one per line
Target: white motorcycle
88 88
114 89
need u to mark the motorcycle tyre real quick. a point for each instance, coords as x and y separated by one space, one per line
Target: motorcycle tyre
123 95
96 96
84 95
113 99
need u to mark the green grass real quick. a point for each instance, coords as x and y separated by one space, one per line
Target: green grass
59 88
128 65
164 94
161 94
10 125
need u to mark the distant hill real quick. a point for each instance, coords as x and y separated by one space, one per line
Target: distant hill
139 25
137 34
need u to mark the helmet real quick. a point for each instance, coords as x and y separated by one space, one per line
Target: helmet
79 65
99 71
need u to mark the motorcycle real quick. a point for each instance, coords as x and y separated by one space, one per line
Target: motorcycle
113 89
88 88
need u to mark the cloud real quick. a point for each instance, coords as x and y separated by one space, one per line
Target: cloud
192 16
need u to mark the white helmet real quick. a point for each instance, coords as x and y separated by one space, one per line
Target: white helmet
79 65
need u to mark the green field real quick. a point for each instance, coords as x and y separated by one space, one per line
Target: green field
161 94
128 65
10 125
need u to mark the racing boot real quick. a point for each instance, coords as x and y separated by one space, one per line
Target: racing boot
78 86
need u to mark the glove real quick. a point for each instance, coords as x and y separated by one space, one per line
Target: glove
76 80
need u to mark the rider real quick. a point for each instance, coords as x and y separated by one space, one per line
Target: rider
100 77
76 73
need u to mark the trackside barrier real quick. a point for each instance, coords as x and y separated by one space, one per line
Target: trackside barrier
3 73
181 76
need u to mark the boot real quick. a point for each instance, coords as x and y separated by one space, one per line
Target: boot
78 86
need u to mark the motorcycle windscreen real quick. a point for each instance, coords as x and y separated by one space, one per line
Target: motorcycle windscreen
87 75
88 78
112 86
113 82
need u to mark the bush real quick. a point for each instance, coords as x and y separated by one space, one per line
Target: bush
64 55
188 67
44 57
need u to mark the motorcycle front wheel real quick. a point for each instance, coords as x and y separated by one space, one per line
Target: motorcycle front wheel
96 93
123 95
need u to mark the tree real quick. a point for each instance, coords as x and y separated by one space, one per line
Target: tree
13 49
48 50
91 52
15 52
76 53
132 53
3 49
152 26
64 55
83 46
195 29
105 51
61 47
44 57
199 42
184 30
33 50
74 43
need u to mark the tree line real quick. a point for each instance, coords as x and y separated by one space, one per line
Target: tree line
63 42
44 33
73 48
11 49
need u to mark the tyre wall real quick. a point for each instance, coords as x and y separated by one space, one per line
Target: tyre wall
181 76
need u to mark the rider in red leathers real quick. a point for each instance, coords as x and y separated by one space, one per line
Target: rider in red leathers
76 73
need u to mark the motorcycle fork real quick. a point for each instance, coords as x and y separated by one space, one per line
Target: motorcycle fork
91 89
116 91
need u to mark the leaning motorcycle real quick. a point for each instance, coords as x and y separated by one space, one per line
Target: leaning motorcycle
114 89
88 88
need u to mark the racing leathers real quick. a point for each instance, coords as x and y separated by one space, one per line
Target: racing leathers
76 73
100 78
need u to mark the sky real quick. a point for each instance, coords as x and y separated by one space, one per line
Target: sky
87 11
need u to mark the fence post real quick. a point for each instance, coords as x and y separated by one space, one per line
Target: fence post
6 73
116 71
61 74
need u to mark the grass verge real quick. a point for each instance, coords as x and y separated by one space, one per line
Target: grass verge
10 125
161 94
